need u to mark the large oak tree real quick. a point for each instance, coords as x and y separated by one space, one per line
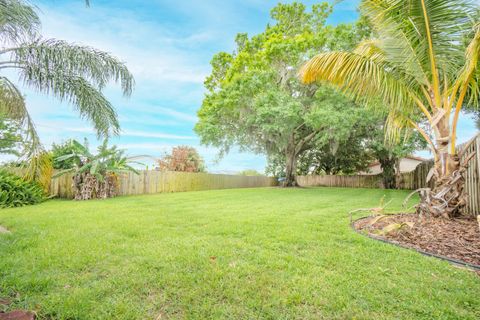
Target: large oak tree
254 98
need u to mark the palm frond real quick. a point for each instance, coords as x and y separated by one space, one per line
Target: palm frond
361 78
39 164
370 49
55 56
469 76
89 101
12 105
40 169
18 21
397 37
397 125
407 27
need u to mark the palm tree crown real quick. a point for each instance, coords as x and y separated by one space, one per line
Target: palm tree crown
424 59
73 73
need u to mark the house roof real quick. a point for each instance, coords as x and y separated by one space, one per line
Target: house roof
410 157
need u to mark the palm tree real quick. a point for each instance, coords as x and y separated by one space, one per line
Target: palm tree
424 65
73 73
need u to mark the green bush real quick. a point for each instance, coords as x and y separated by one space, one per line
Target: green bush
16 192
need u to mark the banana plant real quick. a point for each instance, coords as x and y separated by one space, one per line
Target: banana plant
96 174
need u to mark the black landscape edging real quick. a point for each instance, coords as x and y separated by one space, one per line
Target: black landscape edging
425 253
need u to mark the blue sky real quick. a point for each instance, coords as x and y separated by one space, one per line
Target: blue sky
167 45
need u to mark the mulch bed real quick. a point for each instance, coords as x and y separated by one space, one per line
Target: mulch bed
457 239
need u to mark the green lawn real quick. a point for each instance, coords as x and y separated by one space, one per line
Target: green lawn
228 254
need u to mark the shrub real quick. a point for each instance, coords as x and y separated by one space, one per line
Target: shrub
184 159
16 192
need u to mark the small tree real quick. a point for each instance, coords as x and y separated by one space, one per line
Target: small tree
184 159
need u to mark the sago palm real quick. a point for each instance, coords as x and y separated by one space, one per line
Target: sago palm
73 73
424 61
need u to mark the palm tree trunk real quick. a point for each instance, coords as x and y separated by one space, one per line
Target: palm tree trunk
447 198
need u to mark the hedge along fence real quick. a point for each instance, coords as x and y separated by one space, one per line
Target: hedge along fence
411 180
148 182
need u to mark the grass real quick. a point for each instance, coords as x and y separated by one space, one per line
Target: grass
228 254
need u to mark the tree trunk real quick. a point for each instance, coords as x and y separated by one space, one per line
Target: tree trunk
290 168
388 172
398 174
294 148
447 198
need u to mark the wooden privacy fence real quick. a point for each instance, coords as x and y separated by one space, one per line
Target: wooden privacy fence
148 182
411 180
358 181
472 177
417 178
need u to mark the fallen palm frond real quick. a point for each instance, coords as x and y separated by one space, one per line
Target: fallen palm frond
393 227
380 210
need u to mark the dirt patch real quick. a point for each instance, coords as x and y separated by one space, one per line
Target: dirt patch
4 230
457 239
17 315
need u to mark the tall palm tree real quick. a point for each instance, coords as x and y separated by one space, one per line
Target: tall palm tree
73 73
424 65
